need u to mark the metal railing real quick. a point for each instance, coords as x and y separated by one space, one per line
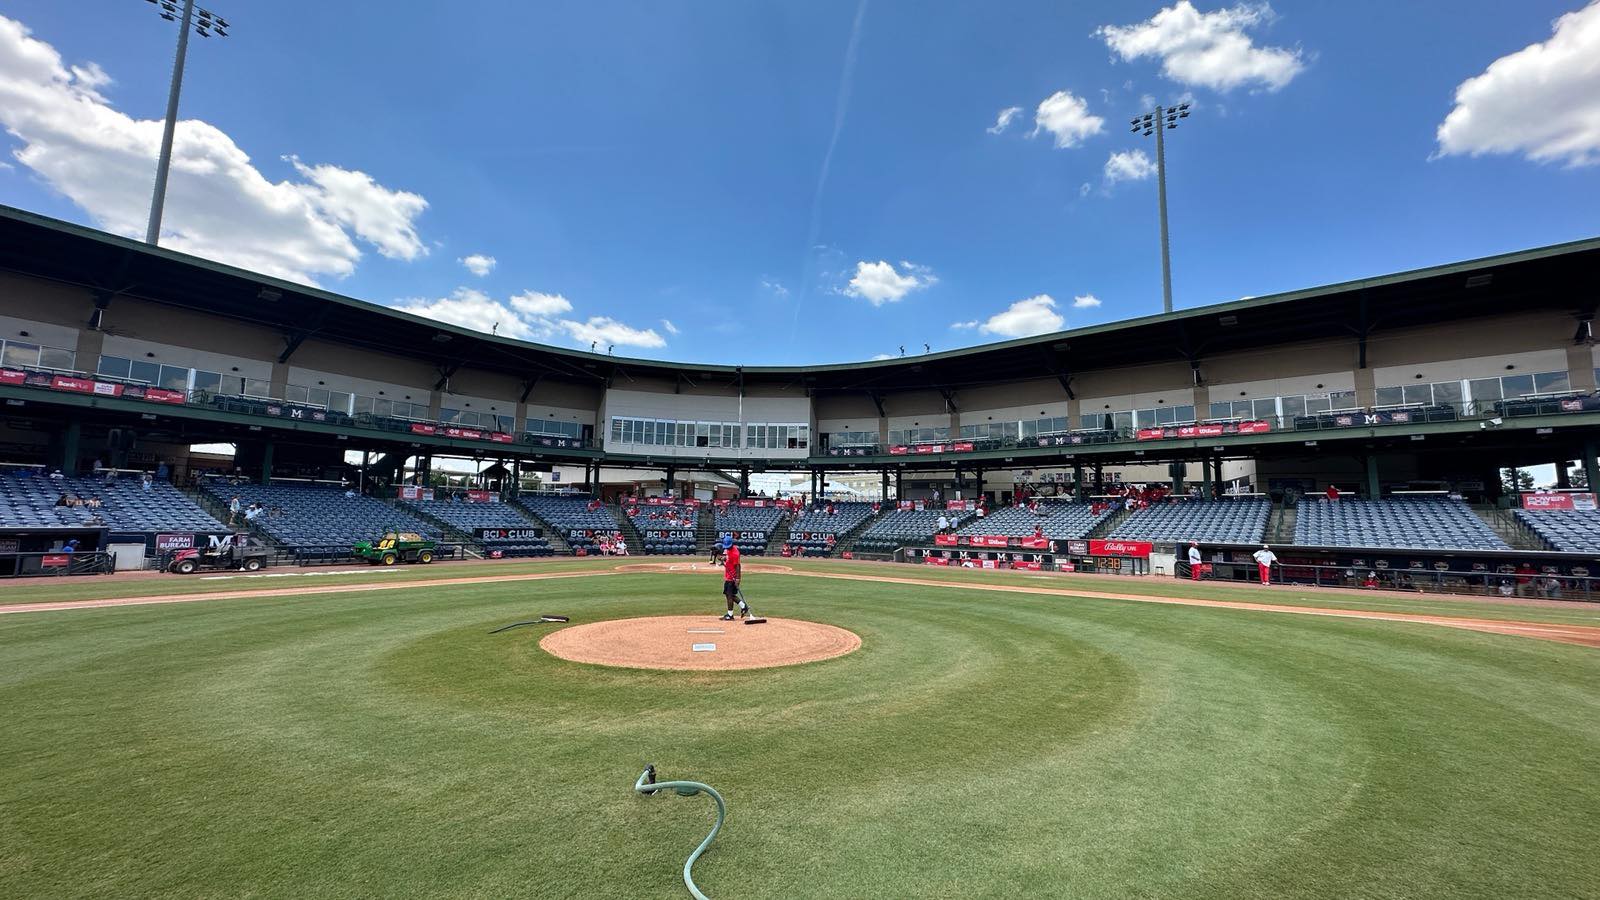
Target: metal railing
1478 583
55 564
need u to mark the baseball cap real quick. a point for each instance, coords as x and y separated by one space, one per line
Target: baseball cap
727 541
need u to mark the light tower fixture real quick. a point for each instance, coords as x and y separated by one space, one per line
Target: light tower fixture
205 23
1162 119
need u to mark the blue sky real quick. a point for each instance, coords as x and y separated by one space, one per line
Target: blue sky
809 182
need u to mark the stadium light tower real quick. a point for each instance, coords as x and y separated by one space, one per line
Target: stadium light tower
205 23
1155 123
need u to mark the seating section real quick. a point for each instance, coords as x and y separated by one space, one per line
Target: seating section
679 524
28 501
1567 530
320 522
571 516
906 526
751 527
1060 520
1401 524
471 518
1237 521
808 534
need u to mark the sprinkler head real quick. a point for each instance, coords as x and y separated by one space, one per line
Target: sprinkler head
650 774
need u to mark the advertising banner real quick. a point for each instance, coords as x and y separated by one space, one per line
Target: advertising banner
1035 543
961 504
1558 501
476 496
107 389
1120 548
174 541
423 428
12 376
987 540
162 395
78 385
55 560
669 534
944 540
506 535
899 451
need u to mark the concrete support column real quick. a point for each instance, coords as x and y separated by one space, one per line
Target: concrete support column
266 462
1079 489
1591 472
278 381
1374 488
977 483
1580 368
899 483
1366 388
86 356
1207 485
67 453
885 492
671 476
1178 470
744 482
1562 480
1099 478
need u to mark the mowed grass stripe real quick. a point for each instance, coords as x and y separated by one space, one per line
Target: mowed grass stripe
381 744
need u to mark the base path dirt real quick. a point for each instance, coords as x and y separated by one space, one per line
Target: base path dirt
668 642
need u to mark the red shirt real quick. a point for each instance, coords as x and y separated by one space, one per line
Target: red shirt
730 564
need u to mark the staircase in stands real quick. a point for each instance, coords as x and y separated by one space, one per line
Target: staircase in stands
705 532
1513 532
846 543
1109 523
1280 525
779 536
558 541
629 533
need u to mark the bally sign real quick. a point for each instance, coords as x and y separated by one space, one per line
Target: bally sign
1120 548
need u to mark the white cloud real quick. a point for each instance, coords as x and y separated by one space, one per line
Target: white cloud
1542 101
529 316
478 264
606 331
1035 315
476 310
776 287
1004 120
1068 118
879 283
542 306
1085 301
882 356
1207 49
963 326
1129 165
667 324
219 205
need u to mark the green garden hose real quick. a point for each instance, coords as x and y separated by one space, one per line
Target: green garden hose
647 785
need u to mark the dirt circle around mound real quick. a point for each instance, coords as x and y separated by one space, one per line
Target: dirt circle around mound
704 568
668 642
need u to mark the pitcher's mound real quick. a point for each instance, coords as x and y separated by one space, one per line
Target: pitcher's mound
668 642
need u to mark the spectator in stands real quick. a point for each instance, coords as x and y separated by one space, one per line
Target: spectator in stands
162 472
1194 561
98 465
1506 588
57 477
1265 559
1552 587
944 523
622 546
1333 492
111 477
876 507
62 500
233 510
349 493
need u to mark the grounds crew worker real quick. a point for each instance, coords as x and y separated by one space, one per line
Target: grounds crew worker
730 579
1264 560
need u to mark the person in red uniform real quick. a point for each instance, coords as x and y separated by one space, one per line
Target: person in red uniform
730 579
1333 492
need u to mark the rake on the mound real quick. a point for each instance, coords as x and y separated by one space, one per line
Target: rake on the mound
539 621
749 620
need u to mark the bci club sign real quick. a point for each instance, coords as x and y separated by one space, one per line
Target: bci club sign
492 535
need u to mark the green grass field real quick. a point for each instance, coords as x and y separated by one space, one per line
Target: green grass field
380 743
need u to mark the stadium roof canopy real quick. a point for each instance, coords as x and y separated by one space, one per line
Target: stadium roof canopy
1560 277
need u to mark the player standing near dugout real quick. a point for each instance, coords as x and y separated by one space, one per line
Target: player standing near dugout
1265 559
730 579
